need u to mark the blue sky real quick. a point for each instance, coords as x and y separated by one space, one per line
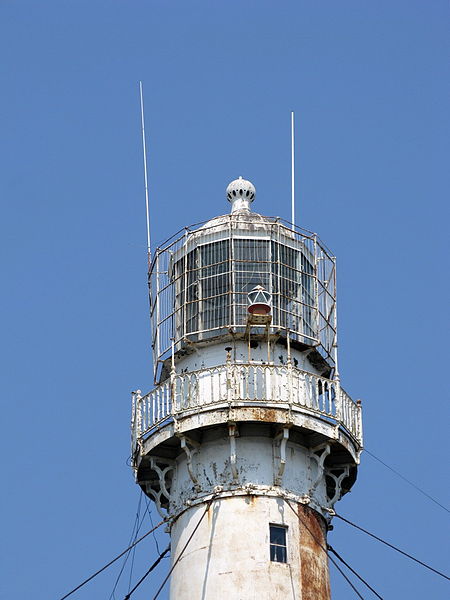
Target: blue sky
369 82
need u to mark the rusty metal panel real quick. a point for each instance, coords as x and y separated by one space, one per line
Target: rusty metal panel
315 578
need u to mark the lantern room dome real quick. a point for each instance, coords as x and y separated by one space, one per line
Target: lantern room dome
240 193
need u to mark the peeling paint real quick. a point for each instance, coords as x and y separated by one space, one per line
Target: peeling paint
315 580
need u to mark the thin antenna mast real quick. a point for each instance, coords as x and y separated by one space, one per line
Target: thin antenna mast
292 170
144 150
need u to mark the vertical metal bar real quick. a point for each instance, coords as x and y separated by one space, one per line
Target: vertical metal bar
316 290
133 409
289 368
335 350
172 375
359 434
278 318
158 325
292 171
184 279
139 412
212 387
230 281
232 272
153 326
311 390
144 150
201 283
228 377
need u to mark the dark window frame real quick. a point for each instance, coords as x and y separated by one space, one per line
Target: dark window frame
278 543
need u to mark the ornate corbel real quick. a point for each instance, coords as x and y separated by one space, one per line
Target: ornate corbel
344 471
282 437
190 448
232 434
324 450
159 489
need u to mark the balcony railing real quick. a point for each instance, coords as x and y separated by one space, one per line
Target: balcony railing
236 383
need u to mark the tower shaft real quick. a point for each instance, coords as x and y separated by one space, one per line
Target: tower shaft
248 439
229 555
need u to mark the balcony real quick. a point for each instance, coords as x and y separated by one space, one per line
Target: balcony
237 384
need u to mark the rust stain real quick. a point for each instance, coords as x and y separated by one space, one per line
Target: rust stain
269 415
314 573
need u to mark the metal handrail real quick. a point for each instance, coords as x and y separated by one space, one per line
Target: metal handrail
196 391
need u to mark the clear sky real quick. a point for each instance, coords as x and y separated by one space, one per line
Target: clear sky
369 82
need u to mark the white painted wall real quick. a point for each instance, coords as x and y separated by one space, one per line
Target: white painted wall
257 462
229 556
215 354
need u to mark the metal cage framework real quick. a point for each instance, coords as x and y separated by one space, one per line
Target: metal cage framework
200 278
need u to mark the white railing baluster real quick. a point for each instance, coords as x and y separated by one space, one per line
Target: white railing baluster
269 378
359 432
158 404
338 399
343 415
190 398
245 382
223 385
212 395
139 415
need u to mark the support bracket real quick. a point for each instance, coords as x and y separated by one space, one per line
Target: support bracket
283 437
320 461
159 489
190 448
232 434
338 479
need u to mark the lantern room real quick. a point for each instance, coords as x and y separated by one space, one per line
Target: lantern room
202 282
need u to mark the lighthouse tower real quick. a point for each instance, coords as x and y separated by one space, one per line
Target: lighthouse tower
248 439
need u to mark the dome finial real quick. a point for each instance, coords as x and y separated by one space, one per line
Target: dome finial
241 193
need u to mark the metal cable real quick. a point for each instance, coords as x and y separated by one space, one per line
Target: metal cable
331 549
407 480
183 549
133 551
151 523
147 510
392 546
345 577
134 534
324 549
157 561
113 560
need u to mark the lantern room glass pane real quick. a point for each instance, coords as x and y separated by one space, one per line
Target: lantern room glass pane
252 267
212 282
202 289
214 285
293 286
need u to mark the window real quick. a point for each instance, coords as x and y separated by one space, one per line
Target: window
278 550
251 267
212 280
202 289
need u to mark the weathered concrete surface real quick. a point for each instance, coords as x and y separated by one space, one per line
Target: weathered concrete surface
212 415
229 554
313 560
257 462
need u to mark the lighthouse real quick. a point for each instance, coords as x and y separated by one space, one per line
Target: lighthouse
248 439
